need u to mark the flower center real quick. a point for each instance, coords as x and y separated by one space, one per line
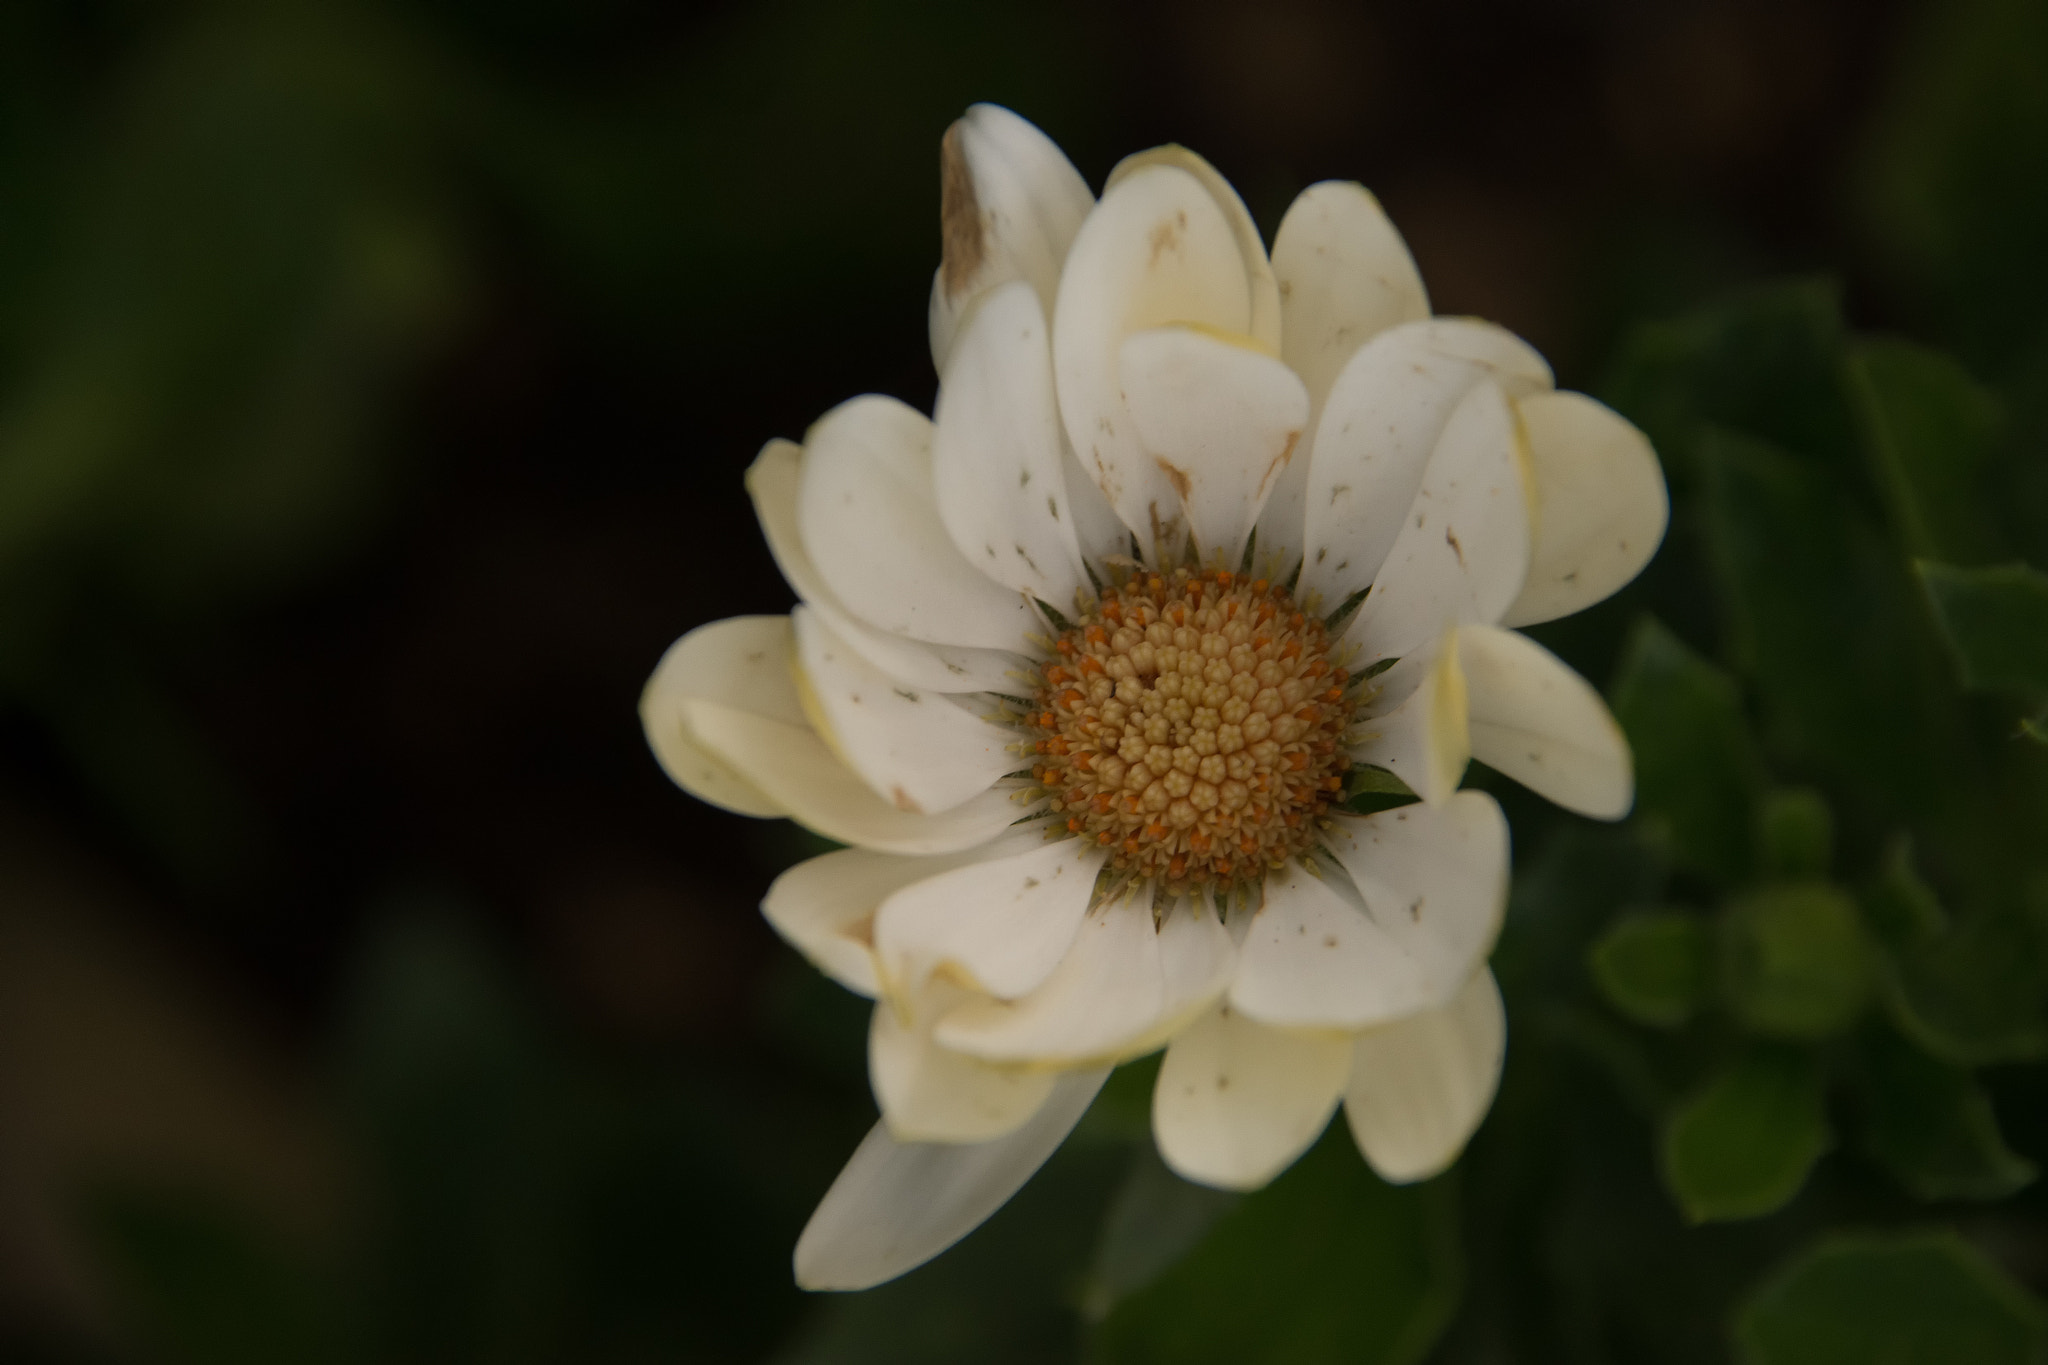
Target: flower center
1194 723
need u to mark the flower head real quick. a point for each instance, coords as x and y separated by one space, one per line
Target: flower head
1087 667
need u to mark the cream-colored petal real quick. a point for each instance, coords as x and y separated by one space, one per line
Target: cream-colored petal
1010 204
1123 988
1221 420
1000 925
1601 505
1378 429
868 512
1315 959
825 906
996 448
742 662
1236 1102
1345 276
773 481
1420 1086
1100 530
1435 879
794 768
898 1204
1538 721
928 1093
1264 323
919 751
1416 726
1156 250
1463 553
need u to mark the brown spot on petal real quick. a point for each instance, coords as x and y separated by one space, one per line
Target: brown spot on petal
962 245
903 801
1177 476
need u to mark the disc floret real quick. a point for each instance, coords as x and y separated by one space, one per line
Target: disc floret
1194 724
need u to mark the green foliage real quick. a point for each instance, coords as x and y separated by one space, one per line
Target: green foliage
1369 790
1793 961
1931 1125
1921 1299
1697 772
1741 1146
1326 1264
1655 968
1155 1219
1931 432
1796 834
1996 623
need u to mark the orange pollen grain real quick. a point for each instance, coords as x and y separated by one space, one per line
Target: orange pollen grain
1168 709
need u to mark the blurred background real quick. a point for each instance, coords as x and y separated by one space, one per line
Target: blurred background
376 381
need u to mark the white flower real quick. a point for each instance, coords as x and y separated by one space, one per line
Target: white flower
1083 666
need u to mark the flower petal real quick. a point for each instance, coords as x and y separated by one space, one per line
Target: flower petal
928 1093
1601 505
741 662
898 1204
1263 325
869 516
1313 959
920 751
1416 727
1219 419
1463 553
795 769
996 446
1419 1087
1010 204
773 482
1002 924
1379 426
825 906
1435 879
1236 1102
1539 722
1156 250
1121 990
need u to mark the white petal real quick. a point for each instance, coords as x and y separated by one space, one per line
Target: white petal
928 1093
825 906
1222 421
1237 1102
1435 879
1122 989
1601 505
1100 530
898 1204
1010 204
1416 726
996 446
1419 1087
1002 925
1345 276
1156 250
1314 959
1378 428
919 751
773 481
869 516
742 662
1263 324
794 768
1463 553
1539 722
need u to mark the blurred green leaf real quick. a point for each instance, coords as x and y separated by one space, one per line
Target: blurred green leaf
1920 1299
1996 623
1899 907
1975 996
1697 773
1655 968
1155 1219
1328 1263
1741 1146
1797 834
1932 1126
1793 960
1824 622
1931 432
196 1284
